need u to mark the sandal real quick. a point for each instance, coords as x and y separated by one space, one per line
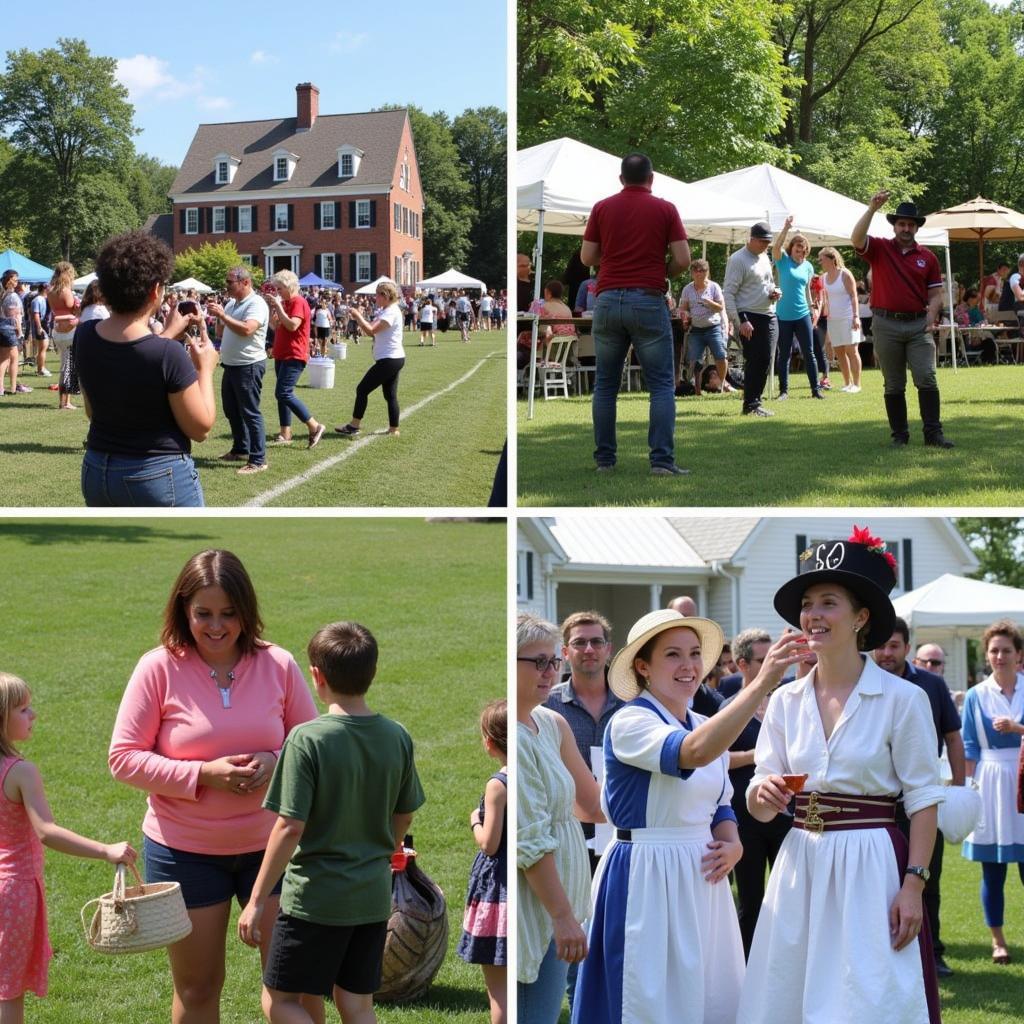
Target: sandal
281 439
1000 955
314 437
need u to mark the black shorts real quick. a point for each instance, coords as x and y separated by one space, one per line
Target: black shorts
309 957
323 333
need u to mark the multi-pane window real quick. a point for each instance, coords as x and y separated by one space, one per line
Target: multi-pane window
222 172
218 219
281 169
363 214
245 218
280 216
192 221
346 165
398 270
398 217
362 266
327 266
404 177
246 258
327 218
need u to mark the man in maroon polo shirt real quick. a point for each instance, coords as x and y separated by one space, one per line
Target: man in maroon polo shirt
906 300
628 236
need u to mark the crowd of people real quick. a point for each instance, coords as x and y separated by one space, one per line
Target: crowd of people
817 758
893 318
251 795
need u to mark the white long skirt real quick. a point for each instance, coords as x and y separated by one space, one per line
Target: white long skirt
821 952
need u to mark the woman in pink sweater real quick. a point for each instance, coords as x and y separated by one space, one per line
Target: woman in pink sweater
200 727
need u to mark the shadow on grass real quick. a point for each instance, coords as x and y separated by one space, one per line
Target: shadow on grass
35 448
82 530
447 999
983 986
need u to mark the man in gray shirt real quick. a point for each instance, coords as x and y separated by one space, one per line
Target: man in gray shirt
750 297
243 354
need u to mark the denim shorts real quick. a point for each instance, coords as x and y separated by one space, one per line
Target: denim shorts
206 879
705 337
308 957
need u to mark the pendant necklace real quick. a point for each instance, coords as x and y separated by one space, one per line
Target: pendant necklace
225 691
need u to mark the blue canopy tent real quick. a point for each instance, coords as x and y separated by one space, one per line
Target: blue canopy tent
28 270
316 279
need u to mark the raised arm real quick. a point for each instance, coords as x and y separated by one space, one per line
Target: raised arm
780 239
859 235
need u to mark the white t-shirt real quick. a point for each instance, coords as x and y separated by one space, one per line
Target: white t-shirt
388 344
485 304
463 305
236 349
427 311
323 317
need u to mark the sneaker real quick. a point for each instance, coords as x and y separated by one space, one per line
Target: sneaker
314 437
252 467
846 387
233 457
758 410
853 389
44 372
21 389
783 395
281 439
347 431
825 383
670 470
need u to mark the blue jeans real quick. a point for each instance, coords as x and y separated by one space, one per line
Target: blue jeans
705 337
637 317
288 373
805 337
162 481
240 391
540 1002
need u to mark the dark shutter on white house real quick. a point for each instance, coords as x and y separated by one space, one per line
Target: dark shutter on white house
908 566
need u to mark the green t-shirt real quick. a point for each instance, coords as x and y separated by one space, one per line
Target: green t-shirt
344 776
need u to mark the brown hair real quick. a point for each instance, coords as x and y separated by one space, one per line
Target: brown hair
14 692
63 276
554 288
212 568
590 618
346 654
802 239
645 652
1004 627
494 723
129 265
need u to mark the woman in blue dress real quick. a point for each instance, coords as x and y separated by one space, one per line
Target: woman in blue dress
664 939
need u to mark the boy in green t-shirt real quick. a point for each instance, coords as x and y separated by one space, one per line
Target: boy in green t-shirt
344 789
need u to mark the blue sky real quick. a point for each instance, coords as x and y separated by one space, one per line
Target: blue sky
193 63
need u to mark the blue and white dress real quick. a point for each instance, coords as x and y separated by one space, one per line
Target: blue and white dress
999 838
664 943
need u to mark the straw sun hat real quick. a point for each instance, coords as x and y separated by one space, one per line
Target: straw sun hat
621 678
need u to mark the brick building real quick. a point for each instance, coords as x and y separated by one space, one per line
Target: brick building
338 194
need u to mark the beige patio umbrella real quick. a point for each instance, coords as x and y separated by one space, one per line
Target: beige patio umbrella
981 219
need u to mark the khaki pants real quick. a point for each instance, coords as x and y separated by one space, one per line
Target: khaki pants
903 343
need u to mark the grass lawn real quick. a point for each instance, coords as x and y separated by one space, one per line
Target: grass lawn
84 600
446 455
824 454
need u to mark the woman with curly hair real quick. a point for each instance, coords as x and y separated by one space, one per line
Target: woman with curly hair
147 396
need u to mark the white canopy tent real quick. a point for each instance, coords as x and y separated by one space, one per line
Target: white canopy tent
371 288
452 278
81 283
559 182
191 284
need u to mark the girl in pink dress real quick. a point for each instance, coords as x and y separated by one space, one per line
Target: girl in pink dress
26 824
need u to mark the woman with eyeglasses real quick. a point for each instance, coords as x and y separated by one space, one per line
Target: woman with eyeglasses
554 789
389 358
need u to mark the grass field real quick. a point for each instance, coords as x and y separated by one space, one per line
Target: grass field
446 455
83 601
824 454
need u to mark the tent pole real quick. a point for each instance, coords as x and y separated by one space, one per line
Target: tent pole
538 259
952 318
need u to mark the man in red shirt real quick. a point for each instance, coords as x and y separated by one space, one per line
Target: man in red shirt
627 238
906 300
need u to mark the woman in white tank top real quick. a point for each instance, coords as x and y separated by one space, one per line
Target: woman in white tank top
843 316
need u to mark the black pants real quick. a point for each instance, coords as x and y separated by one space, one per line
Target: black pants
931 897
757 355
384 375
761 842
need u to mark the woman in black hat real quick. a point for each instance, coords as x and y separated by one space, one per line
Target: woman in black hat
839 935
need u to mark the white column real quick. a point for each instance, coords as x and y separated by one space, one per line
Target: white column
655 596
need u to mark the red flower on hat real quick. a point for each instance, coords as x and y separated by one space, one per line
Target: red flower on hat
862 535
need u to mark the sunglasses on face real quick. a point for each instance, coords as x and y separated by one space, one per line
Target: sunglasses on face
541 663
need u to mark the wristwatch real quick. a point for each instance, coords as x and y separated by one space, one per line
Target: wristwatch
923 873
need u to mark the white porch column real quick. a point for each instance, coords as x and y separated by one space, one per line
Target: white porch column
655 596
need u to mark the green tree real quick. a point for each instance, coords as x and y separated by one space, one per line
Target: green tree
481 137
148 182
64 107
999 545
210 264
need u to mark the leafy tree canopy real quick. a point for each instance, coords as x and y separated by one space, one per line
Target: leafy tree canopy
210 264
999 545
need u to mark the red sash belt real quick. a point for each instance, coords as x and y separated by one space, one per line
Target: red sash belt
821 812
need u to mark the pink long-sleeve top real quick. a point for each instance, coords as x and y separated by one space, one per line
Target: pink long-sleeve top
171 721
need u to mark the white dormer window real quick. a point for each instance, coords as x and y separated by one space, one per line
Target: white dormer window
348 161
284 164
224 167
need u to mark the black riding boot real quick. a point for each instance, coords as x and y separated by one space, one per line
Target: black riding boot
928 401
896 410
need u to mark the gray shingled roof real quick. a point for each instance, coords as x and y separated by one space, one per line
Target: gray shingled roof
377 134
162 226
714 539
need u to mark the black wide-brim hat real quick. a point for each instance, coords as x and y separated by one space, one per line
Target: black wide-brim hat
906 211
864 572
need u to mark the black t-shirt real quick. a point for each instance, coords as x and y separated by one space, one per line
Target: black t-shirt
127 384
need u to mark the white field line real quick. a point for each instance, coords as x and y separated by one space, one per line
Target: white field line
321 467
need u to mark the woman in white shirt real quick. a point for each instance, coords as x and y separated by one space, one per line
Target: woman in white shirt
842 936
842 311
389 358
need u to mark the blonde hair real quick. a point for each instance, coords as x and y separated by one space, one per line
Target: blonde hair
832 254
14 692
63 276
287 280
388 289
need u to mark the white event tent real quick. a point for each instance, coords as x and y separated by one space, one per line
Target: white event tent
452 278
191 284
371 288
81 283
559 182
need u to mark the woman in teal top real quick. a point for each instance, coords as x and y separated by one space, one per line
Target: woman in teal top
794 308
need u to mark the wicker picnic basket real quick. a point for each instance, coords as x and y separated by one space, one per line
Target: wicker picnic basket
132 919
417 934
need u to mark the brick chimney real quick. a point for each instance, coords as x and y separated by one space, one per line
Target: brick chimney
308 105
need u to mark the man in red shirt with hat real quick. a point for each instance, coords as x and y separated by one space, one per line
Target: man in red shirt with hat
906 300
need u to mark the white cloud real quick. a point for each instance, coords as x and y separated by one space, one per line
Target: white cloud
148 77
346 42
214 102
261 57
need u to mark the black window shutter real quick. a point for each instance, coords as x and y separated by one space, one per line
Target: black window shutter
316 265
209 219
373 213
529 575
181 221
801 547
337 214
351 213
234 218
254 224
908 566
316 219
337 268
352 266
373 266
291 216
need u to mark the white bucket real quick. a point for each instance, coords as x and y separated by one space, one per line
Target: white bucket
338 350
321 373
